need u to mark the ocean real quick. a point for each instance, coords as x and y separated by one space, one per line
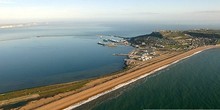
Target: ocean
193 83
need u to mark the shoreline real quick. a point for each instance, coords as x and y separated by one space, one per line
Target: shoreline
78 99
127 83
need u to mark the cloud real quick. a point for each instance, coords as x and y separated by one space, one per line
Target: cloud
208 12
147 13
7 2
135 12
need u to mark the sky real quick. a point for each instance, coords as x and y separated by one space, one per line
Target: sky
155 11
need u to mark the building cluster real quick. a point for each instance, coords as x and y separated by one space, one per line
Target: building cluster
112 42
143 54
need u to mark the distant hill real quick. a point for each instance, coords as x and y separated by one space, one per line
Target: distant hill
204 33
178 39
150 39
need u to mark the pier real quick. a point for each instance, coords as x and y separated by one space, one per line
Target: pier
120 54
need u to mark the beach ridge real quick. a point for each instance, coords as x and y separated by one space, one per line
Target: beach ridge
88 93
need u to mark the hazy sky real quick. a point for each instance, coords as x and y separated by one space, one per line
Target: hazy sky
160 11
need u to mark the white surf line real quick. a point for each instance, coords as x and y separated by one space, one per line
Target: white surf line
126 83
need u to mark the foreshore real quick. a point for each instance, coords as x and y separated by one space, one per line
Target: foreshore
85 95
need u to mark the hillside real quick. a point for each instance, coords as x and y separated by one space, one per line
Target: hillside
177 40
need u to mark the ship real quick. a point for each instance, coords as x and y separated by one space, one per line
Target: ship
100 43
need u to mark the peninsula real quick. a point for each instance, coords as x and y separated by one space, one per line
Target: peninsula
151 53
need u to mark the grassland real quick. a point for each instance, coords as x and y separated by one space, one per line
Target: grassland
41 92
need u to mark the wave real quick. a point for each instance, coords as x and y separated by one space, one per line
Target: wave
126 83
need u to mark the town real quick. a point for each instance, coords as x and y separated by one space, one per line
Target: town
147 47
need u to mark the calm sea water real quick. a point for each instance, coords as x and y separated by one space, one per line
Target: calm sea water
191 83
63 53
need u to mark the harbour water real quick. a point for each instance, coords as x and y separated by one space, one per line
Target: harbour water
190 83
43 55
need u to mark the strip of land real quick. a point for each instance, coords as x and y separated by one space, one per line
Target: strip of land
85 94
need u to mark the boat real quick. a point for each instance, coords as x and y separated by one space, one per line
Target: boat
105 40
100 43
112 40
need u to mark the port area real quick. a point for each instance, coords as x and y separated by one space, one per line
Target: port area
164 42
112 40
140 54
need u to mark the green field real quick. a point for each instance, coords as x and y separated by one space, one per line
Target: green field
45 91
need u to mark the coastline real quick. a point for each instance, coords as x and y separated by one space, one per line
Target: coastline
87 95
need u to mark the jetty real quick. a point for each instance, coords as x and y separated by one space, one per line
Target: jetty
120 54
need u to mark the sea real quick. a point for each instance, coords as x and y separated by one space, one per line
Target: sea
193 83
